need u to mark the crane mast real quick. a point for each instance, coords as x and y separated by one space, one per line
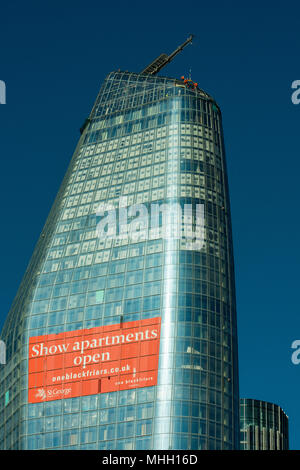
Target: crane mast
164 59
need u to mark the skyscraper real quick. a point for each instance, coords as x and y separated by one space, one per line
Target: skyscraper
264 426
129 342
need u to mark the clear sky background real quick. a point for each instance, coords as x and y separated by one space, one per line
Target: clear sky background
54 57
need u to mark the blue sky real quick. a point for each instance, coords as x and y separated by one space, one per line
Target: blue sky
54 57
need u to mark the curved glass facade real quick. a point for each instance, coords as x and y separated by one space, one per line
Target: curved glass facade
154 141
264 426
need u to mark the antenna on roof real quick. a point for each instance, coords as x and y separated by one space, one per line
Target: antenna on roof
164 59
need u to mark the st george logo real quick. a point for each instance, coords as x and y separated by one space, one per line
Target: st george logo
41 394
2 92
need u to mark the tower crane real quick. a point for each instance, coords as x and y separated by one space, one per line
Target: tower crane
164 59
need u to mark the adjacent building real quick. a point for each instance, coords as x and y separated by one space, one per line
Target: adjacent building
122 341
264 426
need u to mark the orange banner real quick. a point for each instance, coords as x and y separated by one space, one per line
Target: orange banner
96 360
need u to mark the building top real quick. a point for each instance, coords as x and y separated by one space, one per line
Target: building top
123 91
255 401
151 79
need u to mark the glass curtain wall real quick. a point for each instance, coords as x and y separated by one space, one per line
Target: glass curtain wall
151 140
